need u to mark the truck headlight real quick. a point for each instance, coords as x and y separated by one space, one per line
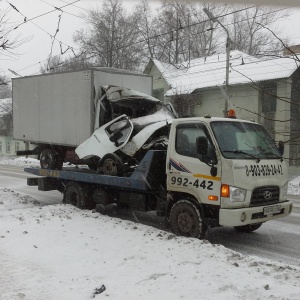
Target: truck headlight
237 194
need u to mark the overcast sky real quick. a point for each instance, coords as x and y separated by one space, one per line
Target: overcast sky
42 28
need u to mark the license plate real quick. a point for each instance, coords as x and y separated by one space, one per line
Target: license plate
272 209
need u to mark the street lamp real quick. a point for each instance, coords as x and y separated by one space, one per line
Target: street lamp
228 41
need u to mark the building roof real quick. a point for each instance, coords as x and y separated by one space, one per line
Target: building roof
211 71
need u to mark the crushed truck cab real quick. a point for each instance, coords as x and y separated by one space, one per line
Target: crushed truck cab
215 172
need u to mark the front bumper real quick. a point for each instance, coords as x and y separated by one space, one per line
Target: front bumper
232 217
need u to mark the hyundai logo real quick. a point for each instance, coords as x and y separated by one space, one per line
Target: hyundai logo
267 195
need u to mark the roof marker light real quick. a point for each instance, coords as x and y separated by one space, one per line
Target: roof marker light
231 114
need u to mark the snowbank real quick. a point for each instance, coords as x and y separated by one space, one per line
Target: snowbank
61 252
19 161
294 186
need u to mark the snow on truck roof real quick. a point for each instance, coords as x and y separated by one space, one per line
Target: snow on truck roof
209 119
117 93
209 71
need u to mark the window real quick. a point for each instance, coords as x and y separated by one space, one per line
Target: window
269 98
17 146
186 140
244 140
8 147
119 131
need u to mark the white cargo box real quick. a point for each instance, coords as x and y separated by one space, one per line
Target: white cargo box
59 108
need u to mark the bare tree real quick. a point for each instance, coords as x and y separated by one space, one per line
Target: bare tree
184 32
5 91
146 29
5 117
57 63
112 37
8 41
5 106
247 30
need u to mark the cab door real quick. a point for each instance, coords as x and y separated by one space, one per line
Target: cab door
107 139
190 172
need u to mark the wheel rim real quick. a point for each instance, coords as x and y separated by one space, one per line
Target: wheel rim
109 167
45 161
186 222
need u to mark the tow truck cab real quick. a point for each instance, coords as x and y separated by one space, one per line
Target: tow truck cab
231 168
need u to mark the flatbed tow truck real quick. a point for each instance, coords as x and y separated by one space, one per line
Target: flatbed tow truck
215 172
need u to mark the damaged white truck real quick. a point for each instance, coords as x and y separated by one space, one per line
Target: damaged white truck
62 111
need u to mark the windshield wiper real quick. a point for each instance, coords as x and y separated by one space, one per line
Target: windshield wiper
243 152
274 155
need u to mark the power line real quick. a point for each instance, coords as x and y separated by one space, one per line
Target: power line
156 36
75 5
182 27
36 17
65 10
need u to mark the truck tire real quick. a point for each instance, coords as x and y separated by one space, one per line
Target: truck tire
77 195
185 220
111 164
247 228
50 159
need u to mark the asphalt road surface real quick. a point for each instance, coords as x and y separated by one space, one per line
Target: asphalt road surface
278 240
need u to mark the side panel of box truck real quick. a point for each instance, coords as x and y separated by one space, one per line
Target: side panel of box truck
53 109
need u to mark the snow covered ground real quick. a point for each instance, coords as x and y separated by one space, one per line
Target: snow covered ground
60 252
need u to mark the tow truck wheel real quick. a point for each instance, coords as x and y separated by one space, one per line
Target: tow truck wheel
77 195
248 228
185 219
50 159
111 164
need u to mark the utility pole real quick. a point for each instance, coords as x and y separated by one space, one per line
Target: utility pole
228 42
177 38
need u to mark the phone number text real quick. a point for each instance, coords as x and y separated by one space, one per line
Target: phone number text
264 170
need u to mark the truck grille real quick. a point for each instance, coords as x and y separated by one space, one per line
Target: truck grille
265 195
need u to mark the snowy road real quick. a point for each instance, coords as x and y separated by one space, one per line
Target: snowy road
276 240
13 177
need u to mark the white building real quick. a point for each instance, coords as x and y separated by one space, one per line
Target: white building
265 90
8 146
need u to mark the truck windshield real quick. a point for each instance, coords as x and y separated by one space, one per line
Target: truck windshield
241 140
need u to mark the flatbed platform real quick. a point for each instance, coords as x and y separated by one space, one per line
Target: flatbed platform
144 178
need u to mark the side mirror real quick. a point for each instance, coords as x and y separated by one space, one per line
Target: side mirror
280 147
202 145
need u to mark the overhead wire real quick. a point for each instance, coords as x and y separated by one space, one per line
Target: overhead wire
158 35
66 12
38 16
119 48
53 37
194 24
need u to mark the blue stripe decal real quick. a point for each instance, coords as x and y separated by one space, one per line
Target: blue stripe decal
178 166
